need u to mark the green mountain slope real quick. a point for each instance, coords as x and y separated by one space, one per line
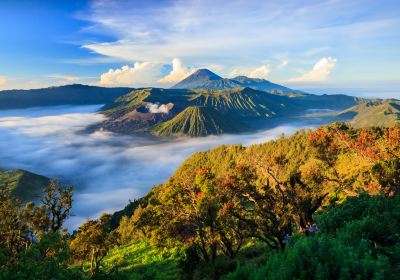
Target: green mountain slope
374 113
141 260
196 121
23 184
244 102
139 110
62 95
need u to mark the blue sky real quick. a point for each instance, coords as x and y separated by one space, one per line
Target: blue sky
303 44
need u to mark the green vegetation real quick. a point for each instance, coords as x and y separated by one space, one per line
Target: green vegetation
196 121
141 260
358 239
374 113
320 204
63 95
23 184
32 243
130 113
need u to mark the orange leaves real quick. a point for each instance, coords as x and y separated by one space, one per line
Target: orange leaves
226 208
204 171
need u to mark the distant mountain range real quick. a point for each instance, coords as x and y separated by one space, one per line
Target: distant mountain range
204 104
374 112
201 104
63 95
205 79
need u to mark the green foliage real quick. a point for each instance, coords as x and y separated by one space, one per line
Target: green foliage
233 213
141 260
358 239
62 95
377 112
239 105
32 244
92 242
46 259
196 121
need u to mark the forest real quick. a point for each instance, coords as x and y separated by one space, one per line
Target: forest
320 204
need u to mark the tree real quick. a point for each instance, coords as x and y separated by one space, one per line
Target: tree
93 241
32 238
57 201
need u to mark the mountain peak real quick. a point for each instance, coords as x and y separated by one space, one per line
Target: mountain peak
205 79
198 79
205 74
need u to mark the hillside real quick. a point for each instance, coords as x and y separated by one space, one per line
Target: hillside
251 212
61 95
374 113
148 110
142 110
320 204
196 121
23 184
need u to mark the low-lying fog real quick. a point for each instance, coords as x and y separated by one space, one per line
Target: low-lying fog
105 169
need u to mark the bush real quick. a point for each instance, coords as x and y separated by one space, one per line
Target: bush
358 239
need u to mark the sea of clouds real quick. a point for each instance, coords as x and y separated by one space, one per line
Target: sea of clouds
105 169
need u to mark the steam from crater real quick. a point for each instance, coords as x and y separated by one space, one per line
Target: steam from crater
158 108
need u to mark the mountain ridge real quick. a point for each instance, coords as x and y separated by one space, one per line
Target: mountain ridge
130 113
206 79
375 112
196 121
74 94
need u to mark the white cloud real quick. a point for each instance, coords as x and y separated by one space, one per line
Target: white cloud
63 78
184 29
284 62
3 80
320 71
261 72
141 74
179 72
157 108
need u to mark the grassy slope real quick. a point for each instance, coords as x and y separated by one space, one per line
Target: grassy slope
240 105
196 121
140 260
25 185
374 113
244 103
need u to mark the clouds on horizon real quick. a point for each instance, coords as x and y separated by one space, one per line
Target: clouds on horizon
179 72
3 80
64 78
108 37
319 73
141 73
236 33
